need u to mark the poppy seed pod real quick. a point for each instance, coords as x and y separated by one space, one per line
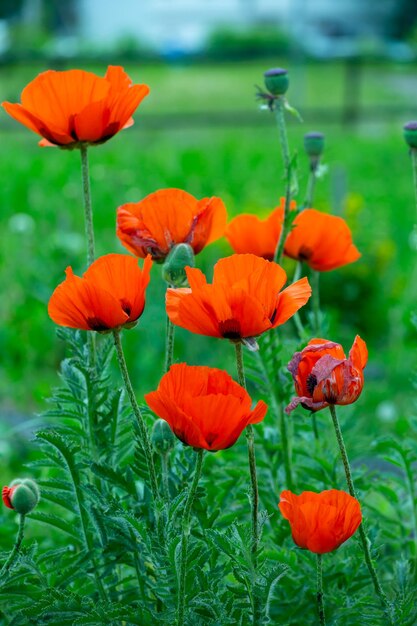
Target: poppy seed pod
314 144
162 437
276 81
173 270
410 134
22 495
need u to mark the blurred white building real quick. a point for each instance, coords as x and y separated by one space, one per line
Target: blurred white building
323 27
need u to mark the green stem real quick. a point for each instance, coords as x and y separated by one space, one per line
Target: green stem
144 437
413 152
250 440
164 468
388 608
278 408
296 317
89 234
169 345
88 211
282 129
16 548
320 595
311 183
89 544
184 539
315 299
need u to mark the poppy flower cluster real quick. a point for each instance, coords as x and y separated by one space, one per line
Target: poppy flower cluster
321 522
111 294
323 375
77 107
322 241
244 300
204 406
168 217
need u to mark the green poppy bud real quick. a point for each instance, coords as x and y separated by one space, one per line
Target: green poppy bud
23 495
314 144
162 437
276 81
179 257
410 134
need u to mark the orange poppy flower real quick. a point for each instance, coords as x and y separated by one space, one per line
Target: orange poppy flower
249 234
323 375
323 241
76 107
110 294
204 406
243 301
168 217
321 522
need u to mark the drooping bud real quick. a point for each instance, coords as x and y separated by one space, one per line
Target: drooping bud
22 495
314 144
276 81
162 437
410 134
173 270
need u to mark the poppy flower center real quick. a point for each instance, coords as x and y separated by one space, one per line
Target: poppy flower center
95 323
126 306
311 383
305 253
230 329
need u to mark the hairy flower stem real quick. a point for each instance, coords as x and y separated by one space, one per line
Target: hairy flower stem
413 153
169 345
185 536
278 408
89 234
311 183
164 470
320 594
144 437
386 604
296 317
282 129
16 548
250 439
88 211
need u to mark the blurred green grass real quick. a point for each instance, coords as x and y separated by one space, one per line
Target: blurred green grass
368 181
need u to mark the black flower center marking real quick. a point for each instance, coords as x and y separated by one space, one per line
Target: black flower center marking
95 323
230 329
311 383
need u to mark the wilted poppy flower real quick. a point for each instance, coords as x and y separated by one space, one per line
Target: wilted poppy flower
204 406
243 301
321 522
249 234
77 107
323 241
168 217
110 294
323 375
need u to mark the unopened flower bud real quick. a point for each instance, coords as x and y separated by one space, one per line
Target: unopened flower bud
162 437
22 495
276 81
314 144
173 270
410 134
